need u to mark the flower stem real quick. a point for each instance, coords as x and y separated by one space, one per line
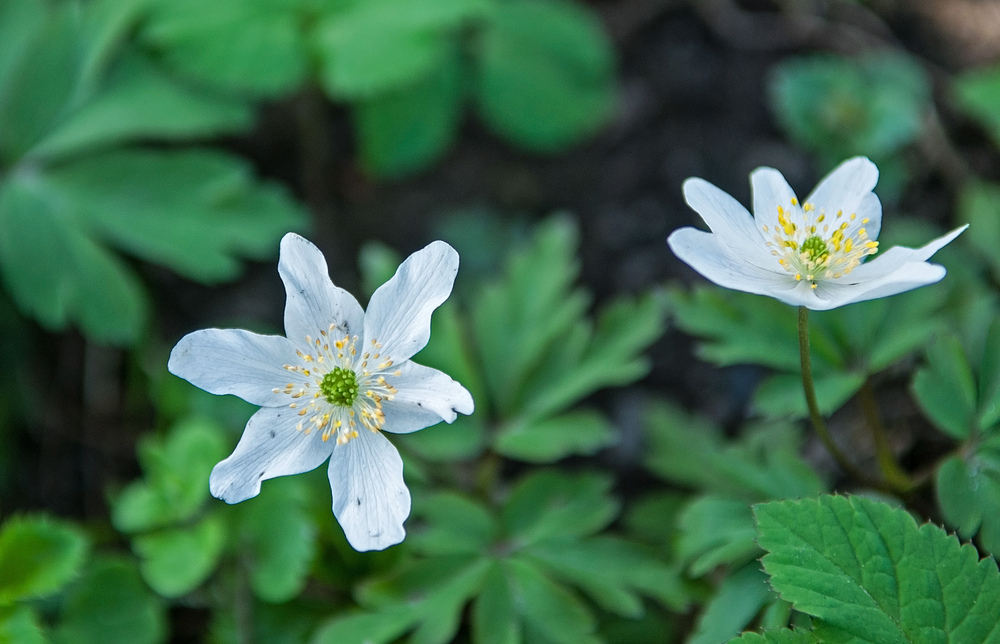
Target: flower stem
817 418
894 475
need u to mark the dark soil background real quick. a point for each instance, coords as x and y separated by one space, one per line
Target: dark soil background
694 83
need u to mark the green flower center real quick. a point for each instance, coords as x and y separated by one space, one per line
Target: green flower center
340 387
816 248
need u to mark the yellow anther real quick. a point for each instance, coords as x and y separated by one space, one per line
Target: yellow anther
795 201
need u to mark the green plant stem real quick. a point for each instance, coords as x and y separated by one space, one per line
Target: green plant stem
809 389
894 475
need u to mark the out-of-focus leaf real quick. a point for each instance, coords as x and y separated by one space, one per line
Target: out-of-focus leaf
241 45
546 73
653 520
176 483
111 605
547 504
449 524
141 103
946 388
979 206
737 600
551 610
38 556
175 561
280 540
782 636
715 531
575 432
781 396
20 23
868 573
839 107
978 92
369 628
408 127
688 450
494 613
20 625
968 490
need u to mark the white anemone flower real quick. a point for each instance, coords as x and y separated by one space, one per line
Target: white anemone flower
330 388
809 254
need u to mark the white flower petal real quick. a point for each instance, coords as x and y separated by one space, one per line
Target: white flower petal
896 257
769 190
313 302
425 397
234 361
702 252
905 278
370 499
728 219
270 447
399 313
845 187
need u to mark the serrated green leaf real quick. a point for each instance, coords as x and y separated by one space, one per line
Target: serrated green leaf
868 573
20 625
547 504
242 45
546 73
978 92
59 275
450 524
177 468
783 636
175 561
139 103
494 613
946 388
764 465
716 531
737 600
409 127
38 556
111 605
279 538
546 441
195 211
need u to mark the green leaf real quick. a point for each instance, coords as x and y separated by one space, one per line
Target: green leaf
141 103
868 573
547 607
547 504
195 211
575 432
979 206
407 128
20 23
968 491
20 625
839 107
764 465
111 605
780 396
546 73
449 524
370 628
175 561
38 556
737 600
494 613
783 636
989 380
279 538
946 388
177 468
240 45
57 274
716 531
978 93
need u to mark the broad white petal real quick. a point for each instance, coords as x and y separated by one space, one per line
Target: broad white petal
370 499
845 187
313 303
728 219
906 278
237 362
702 252
891 260
769 190
425 397
399 313
270 446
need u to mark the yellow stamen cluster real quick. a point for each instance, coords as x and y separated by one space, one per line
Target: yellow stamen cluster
813 248
337 389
